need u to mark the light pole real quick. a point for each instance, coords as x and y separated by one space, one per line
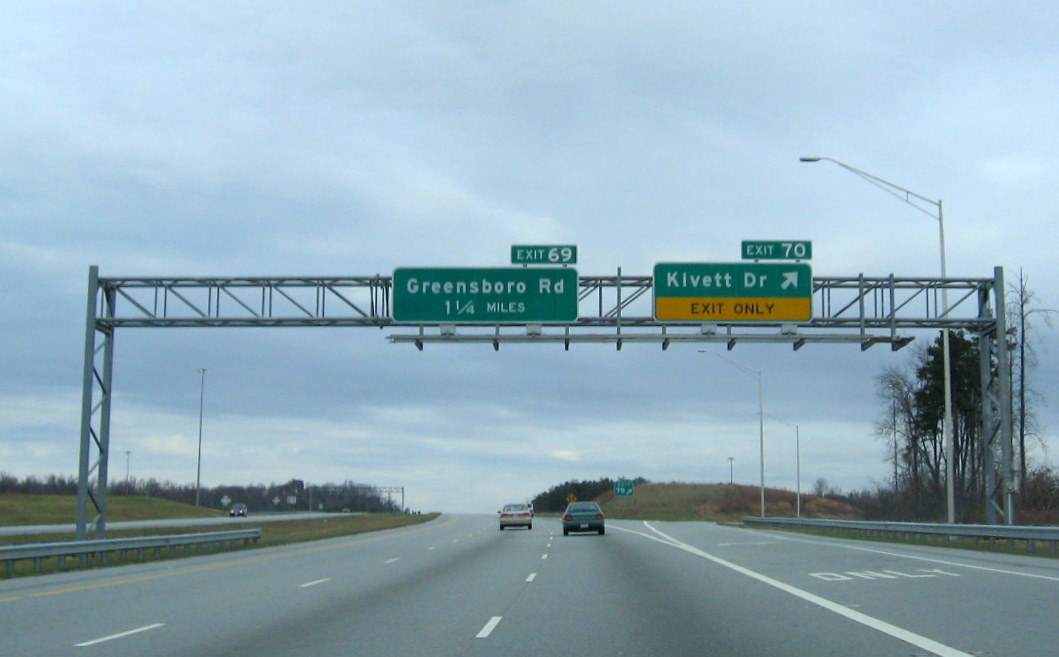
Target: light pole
731 470
198 467
760 415
916 201
798 468
894 390
127 486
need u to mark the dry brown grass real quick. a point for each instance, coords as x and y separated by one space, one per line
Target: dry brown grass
717 502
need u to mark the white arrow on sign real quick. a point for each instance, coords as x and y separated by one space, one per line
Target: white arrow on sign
790 278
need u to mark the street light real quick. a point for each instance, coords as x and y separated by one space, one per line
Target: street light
798 467
198 467
935 212
760 415
894 391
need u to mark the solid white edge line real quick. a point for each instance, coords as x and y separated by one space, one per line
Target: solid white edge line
902 634
119 635
394 560
314 583
489 627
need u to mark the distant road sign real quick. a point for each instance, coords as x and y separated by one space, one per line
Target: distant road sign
739 292
571 498
522 254
781 250
623 488
496 295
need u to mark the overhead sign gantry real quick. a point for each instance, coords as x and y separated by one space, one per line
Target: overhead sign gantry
556 305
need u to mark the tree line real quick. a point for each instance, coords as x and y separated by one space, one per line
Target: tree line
292 495
912 424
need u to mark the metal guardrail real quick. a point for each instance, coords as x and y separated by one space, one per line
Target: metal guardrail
947 533
102 549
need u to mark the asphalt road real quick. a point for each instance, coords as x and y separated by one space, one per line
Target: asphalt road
458 586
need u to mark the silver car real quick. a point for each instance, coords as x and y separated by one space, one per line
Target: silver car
516 515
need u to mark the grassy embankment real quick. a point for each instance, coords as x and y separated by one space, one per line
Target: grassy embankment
717 503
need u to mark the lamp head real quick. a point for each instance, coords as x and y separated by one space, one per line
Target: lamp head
809 159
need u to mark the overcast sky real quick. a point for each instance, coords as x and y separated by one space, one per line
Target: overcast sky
350 138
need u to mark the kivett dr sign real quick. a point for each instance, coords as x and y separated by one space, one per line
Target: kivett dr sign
733 292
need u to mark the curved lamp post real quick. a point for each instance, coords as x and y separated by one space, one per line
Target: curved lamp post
198 467
932 209
760 415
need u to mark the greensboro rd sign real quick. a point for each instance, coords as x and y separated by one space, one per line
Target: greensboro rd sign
733 292
485 295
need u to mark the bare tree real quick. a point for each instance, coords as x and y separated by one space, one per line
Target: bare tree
1020 310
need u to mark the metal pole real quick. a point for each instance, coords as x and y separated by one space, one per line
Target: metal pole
907 196
798 467
127 486
198 467
950 451
87 388
761 437
731 470
760 414
893 408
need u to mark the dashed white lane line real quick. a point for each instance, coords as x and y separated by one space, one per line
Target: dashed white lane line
544 556
392 560
489 627
120 635
314 583
532 576
430 548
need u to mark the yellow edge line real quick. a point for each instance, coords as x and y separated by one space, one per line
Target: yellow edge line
242 562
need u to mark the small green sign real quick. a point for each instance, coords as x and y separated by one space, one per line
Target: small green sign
496 295
778 250
525 254
623 488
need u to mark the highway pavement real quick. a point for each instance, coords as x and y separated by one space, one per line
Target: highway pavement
457 586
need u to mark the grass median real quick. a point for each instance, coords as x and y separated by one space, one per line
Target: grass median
273 533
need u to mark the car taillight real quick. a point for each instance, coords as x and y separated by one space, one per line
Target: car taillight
599 516
505 515
568 517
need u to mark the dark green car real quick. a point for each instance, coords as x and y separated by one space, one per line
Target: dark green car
583 517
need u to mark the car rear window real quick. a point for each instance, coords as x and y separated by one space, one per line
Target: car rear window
590 507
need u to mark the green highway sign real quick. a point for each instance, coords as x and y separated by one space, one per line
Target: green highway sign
496 295
623 488
778 250
522 254
734 291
